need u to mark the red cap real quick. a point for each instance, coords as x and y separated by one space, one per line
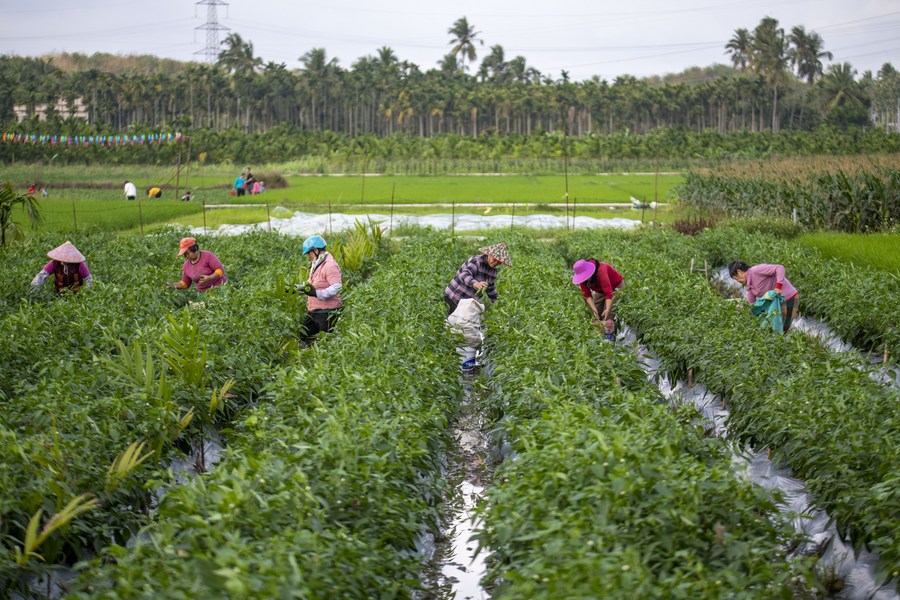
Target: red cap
185 244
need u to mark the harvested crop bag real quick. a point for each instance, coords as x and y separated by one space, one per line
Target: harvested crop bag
767 309
466 320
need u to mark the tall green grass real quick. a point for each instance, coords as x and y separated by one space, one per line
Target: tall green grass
875 250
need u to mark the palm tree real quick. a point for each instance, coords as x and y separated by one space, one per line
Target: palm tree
238 55
318 75
806 53
769 59
740 47
464 38
8 200
493 67
846 100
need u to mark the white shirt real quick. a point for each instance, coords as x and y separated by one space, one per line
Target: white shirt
130 190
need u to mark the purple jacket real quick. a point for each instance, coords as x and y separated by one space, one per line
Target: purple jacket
762 278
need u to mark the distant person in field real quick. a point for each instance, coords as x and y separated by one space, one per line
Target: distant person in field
477 274
67 267
763 278
154 192
32 189
200 267
238 186
130 191
598 282
188 196
258 187
323 287
249 181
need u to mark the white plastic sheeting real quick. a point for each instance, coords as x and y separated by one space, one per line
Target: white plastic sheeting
302 224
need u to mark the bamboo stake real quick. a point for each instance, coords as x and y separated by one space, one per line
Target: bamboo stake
690 378
692 265
391 228
140 215
268 215
453 219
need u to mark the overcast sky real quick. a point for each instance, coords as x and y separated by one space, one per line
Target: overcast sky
583 37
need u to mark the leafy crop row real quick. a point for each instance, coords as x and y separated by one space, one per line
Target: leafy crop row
329 481
610 491
99 389
821 412
859 303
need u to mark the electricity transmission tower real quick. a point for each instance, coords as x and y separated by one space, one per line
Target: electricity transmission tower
212 28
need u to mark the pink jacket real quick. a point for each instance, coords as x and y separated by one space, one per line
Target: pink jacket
325 277
762 278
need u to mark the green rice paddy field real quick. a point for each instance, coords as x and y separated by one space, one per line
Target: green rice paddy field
91 197
85 198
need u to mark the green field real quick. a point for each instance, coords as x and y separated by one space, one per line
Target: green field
83 198
876 250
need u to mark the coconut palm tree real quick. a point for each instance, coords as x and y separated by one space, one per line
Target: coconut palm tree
464 39
806 53
740 47
769 59
846 102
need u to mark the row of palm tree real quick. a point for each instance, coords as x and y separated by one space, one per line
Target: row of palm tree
777 81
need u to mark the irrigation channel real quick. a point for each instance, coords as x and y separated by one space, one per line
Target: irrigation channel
458 564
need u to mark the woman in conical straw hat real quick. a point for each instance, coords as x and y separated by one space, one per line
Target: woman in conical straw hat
598 280
67 267
477 274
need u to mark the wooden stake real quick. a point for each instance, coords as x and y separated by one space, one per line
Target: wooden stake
690 378
692 265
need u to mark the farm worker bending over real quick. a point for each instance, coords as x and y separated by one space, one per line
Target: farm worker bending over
154 192
763 278
477 274
68 268
323 288
200 266
597 281
130 191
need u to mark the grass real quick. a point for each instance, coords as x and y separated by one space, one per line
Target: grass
874 250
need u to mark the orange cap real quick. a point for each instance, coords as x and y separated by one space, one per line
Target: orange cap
185 244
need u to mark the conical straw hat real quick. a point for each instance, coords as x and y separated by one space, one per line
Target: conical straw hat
66 253
499 252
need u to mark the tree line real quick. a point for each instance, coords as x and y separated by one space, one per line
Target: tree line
776 81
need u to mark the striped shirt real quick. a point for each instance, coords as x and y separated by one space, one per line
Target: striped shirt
474 269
